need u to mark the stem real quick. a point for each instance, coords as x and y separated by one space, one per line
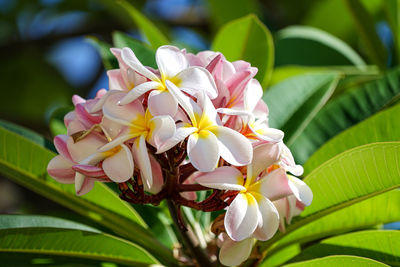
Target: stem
197 252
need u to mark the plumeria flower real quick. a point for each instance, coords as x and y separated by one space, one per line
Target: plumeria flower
207 139
173 67
254 116
232 252
287 161
131 121
252 212
78 162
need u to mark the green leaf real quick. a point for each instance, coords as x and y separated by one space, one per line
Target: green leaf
348 178
74 244
32 221
25 162
353 176
109 60
304 45
237 9
295 101
380 245
346 110
366 28
142 52
155 37
384 207
334 261
247 39
383 126
282 256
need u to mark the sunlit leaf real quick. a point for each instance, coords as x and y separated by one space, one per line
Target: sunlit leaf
346 110
334 261
379 245
247 39
304 45
384 126
73 243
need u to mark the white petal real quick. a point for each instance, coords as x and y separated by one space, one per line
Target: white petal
119 167
99 104
61 169
162 128
209 113
85 147
222 178
194 79
203 151
170 61
241 218
143 159
273 185
234 147
182 99
179 136
139 90
252 95
115 80
133 62
270 219
264 155
233 253
122 114
162 103
83 184
301 190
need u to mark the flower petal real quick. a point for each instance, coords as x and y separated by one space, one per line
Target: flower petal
301 190
122 114
115 80
170 61
182 99
269 222
61 170
133 62
264 155
142 156
162 103
194 79
273 185
89 170
137 91
158 179
83 184
241 218
85 147
119 167
222 178
234 147
162 128
203 151
179 136
252 95
60 142
233 253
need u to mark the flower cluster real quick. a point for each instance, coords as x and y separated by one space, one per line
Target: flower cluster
198 122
